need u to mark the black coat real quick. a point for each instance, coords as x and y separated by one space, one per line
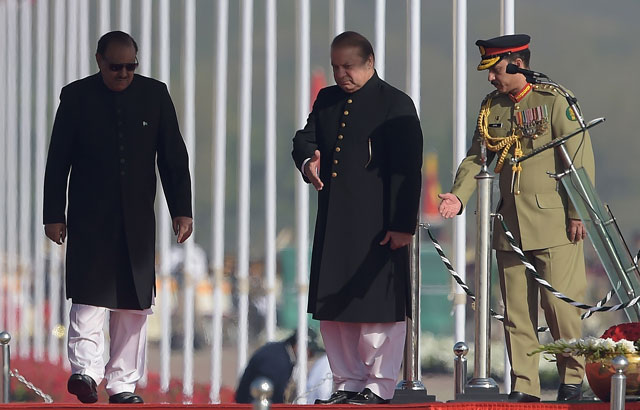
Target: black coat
274 361
109 142
371 154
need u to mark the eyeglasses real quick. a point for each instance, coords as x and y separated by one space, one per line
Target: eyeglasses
119 67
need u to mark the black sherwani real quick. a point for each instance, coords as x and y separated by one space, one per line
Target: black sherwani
109 141
371 154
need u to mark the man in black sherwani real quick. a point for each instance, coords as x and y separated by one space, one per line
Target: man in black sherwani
362 150
109 129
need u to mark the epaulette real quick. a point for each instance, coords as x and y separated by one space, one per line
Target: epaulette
492 95
545 89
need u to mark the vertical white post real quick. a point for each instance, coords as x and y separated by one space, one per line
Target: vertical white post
11 225
146 15
72 40
72 75
413 87
24 233
459 152
164 220
270 167
124 16
218 177
244 167
380 44
337 8
507 26
104 17
84 49
144 56
42 60
3 174
413 78
507 17
303 26
189 77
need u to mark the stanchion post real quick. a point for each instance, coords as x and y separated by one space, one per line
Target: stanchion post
618 383
411 389
261 391
460 349
5 338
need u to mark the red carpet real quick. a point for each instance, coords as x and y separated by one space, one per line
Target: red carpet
427 406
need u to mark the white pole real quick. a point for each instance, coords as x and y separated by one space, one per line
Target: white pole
302 191
3 174
11 226
381 11
42 60
25 178
338 16
244 175
507 26
124 16
189 77
72 75
164 235
459 152
104 17
270 167
145 37
145 69
55 253
218 177
84 50
414 52
72 40
507 17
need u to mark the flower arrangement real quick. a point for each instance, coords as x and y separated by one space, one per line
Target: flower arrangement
620 339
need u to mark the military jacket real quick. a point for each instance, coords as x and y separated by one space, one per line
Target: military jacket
371 154
538 215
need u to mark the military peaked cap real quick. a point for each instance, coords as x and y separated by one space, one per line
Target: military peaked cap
494 49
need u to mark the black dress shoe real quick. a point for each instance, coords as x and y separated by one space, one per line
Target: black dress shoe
125 397
522 397
338 397
84 387
569 392
366 396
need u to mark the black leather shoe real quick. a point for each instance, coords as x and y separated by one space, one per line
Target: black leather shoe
84 387
125 397
522 397
338 397
366 396
569 392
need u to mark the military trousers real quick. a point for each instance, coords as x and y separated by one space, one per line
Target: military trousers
127 348
563 267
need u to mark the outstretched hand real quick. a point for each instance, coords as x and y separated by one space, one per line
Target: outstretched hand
312 171
449 206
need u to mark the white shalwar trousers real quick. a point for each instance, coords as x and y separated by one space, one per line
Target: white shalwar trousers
127 348
364 355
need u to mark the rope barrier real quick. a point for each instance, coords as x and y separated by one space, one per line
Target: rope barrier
497 316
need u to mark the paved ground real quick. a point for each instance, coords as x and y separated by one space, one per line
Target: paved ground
436 383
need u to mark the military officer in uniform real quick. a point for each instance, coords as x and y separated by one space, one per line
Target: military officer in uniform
515 119
109 129
362 150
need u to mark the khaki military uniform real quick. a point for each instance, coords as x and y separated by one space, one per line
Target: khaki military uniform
537 211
